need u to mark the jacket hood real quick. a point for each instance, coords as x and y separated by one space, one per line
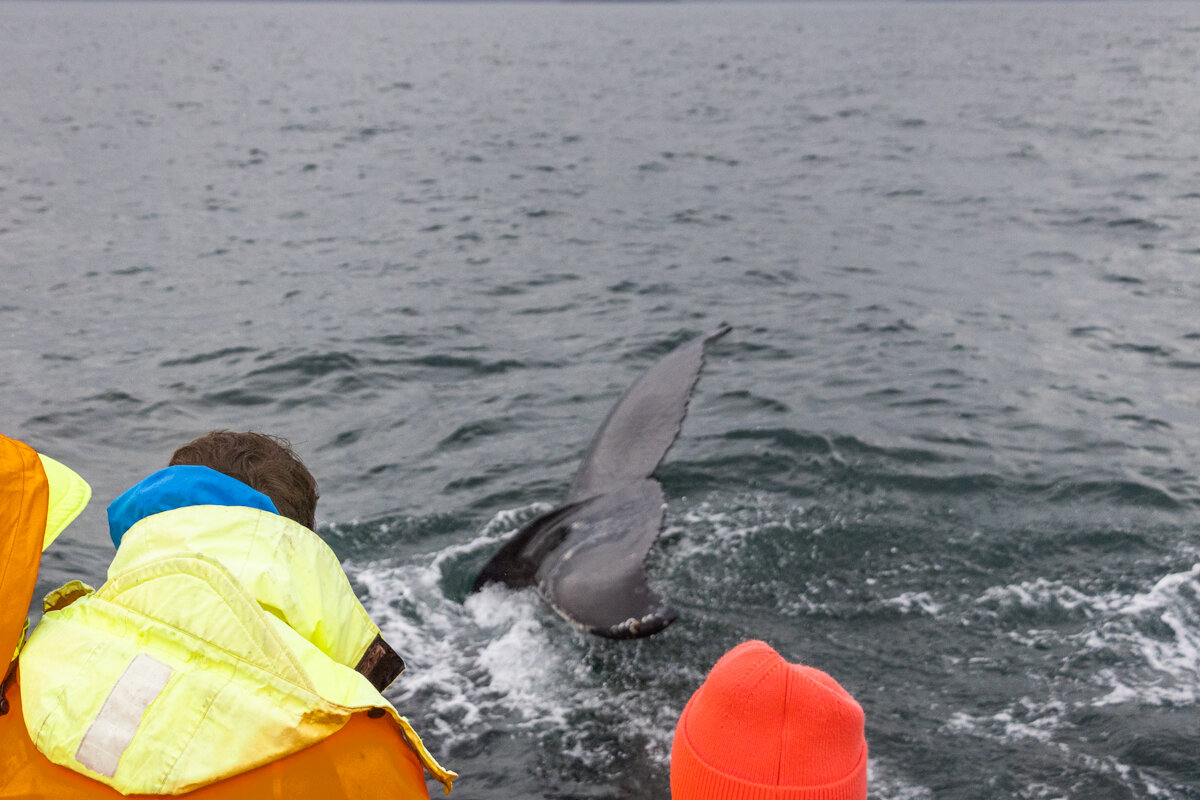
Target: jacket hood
179 487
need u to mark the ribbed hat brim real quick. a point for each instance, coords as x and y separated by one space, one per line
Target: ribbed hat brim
694 779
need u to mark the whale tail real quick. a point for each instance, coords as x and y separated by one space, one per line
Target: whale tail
587 557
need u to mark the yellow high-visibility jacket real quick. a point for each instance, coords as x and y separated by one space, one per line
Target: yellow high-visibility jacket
224 640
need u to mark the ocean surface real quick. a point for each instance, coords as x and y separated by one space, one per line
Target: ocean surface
948 454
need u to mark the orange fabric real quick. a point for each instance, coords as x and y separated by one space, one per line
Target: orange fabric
760 728
368 758
24 497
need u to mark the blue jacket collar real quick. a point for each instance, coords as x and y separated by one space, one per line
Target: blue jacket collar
177 487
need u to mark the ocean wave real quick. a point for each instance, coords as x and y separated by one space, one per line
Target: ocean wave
228 354
802 462
1141 648
1119 492
466 364
500 667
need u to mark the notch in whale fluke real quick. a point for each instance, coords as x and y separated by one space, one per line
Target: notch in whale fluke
587 556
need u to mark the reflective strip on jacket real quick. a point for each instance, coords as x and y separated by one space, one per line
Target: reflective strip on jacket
225 639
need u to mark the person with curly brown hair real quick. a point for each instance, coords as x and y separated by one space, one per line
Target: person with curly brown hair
226 655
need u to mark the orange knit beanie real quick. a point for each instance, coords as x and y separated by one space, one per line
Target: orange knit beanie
760 728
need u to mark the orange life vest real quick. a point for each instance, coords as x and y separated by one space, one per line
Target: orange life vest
24 497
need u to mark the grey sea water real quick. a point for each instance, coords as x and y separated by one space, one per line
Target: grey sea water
949 453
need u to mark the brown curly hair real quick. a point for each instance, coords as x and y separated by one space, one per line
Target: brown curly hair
265 463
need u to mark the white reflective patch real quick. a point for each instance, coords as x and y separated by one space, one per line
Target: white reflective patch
114 727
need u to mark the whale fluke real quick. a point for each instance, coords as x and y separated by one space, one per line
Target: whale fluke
587 557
